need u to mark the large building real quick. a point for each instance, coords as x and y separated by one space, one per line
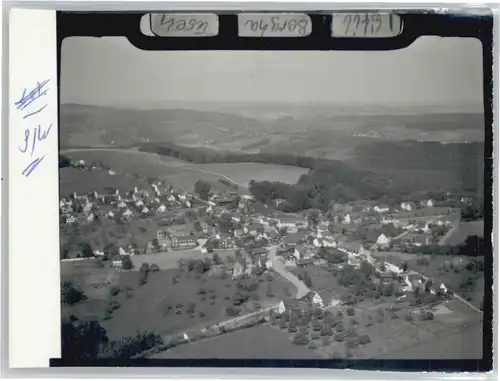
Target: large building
183 242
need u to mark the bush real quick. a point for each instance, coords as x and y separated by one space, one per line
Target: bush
339 336
127 263
312 345
350 311
364 339
300 339
154 267
233 311
114 290
144 267
71 295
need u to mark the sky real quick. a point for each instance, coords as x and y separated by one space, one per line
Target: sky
110 71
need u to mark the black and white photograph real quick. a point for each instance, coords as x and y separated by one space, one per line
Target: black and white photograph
272 204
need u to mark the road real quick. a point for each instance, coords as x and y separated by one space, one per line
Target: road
135 151
280 268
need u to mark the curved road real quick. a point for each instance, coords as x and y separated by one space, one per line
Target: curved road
279 267
158 158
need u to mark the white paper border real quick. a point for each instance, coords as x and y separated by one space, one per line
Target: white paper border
34 306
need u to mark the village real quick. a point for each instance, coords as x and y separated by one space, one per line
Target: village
260 240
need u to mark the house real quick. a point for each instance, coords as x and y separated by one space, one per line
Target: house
110 214
383 240
323 222
163 238
313 299
338 208
162 208
183 242
87 207
127 214
70 219
408 206
90 217
294 239
117 262
304 262
381 208
122 252
428 203
387 220
238 270
289 259
329 298
269 264
259 252
347 219
238 233
122 205
98 253
302 252
145 210
288 223
252 229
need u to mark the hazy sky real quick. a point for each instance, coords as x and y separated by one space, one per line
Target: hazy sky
110 71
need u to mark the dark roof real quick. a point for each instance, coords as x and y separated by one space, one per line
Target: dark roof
259 250
304 261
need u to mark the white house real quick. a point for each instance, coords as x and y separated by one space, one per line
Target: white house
408 206
139 203
347 219
136 190
121 251
111 173
161 208
428 203
70 219
98 253
122 205
188 204
110 214
171 198
269 264
90 217
393 268
387 220
382 240
87 207
443 288
127 214
145 210
156 200
381 208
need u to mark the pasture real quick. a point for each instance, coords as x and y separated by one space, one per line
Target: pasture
464 230
80 181
258 342
170 260
184 175
171 302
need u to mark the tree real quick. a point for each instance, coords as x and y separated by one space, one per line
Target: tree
404 266
71 295
86 250
154 267
127 263
202 188
82 340
216 259
64 254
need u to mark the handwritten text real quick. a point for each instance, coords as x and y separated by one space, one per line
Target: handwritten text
264 25
366 25
184 25
30 105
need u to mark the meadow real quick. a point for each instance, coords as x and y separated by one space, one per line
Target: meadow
184 175
464 230
258 342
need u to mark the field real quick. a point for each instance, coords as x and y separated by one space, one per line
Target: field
259 342
161 304
464 230
183 175
75 180
170 260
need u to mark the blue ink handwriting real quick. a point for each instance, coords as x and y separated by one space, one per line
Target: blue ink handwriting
37 136
29 97
32 166
33 136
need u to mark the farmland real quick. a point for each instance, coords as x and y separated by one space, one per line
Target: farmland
259 342
464 230
192 300
73 179
183 175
